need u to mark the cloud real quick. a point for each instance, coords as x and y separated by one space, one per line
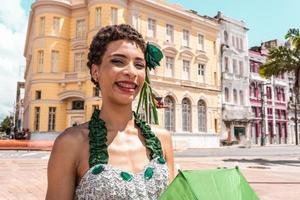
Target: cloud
13 26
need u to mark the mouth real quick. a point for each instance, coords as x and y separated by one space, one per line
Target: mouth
127 86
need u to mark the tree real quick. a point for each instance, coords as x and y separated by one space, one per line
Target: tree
6 124
284 59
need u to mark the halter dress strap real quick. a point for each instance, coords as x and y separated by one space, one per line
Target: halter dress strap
98 139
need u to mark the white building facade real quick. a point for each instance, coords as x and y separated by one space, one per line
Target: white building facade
234 61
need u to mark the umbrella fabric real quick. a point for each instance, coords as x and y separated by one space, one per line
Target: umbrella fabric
216 184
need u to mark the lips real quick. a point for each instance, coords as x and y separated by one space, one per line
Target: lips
126 86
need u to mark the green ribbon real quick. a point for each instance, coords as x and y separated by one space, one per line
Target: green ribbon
153 56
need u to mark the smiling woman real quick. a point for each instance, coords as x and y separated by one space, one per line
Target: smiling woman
115 155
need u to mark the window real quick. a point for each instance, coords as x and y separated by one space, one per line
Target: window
151 28
252 90
169 113
135 21
114 16
54 60
98 17
186 115
40 61
241 98
36 118
226 95
80 29
79 62
51 118
283 114
241 44
169 33
200 42
269 93
277 114
278 91
96 92
77 105
234 66
38 94
186 70
226 37
186 38
201 73
169 72
254 113
235 98
237 43
241 65
201 116
42 26
282 94
56 25
226 64
233 41
252 66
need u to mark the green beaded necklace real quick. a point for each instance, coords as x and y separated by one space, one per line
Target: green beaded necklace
98 146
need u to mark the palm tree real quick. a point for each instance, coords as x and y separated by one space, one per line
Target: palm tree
284 59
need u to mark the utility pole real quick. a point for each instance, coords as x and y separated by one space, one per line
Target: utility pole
262 136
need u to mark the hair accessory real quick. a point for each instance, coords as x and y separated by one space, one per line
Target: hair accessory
146 103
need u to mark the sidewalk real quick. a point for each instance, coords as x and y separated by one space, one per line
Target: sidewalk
26 145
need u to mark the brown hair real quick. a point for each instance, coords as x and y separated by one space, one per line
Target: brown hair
109 34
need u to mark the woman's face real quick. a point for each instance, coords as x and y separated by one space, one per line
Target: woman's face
121 74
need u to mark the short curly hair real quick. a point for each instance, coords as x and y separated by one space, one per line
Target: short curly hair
109 34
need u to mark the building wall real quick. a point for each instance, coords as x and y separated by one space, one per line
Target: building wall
235 114
275 127
64 85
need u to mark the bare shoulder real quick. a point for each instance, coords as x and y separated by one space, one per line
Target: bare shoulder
72 137
63 162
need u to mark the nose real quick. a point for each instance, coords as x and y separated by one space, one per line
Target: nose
130 70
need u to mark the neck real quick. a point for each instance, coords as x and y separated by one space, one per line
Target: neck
117 117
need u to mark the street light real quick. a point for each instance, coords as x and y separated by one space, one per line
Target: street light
262 135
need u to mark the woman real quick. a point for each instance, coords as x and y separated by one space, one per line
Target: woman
115 155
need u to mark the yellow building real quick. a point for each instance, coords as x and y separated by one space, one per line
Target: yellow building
58 90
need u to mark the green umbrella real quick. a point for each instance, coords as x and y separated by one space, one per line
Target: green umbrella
216 184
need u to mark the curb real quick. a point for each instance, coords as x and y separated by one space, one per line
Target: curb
26 145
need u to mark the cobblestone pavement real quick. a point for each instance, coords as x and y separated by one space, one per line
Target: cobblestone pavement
23 174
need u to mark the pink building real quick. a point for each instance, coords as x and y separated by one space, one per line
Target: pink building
267 98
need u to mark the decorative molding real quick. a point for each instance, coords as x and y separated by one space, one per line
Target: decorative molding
70 93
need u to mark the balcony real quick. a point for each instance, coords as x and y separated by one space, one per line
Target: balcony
281 82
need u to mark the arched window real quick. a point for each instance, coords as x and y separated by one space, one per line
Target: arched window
186 115
226 95
169 113
235 98
201 116
241 98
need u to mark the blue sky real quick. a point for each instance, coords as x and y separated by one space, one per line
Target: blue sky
266 19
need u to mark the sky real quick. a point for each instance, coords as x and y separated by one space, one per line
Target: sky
266 20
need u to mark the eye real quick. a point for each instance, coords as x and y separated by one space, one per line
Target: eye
117 61
140 65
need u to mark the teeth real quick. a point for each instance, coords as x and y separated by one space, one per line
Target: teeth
127 85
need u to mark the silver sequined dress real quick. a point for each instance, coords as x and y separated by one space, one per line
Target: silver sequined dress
109 185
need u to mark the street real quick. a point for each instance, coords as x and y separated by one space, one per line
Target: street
272 171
